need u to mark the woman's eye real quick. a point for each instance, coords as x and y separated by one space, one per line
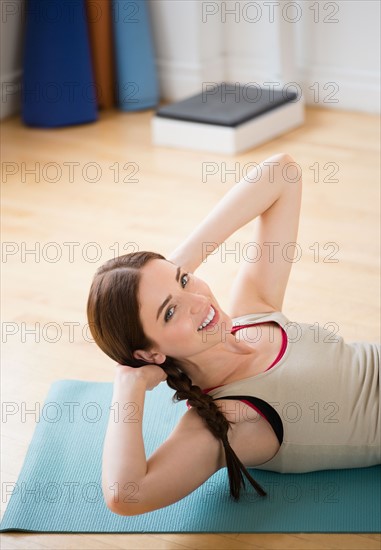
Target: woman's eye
186 278
169 313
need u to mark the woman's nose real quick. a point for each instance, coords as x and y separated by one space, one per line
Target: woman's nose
198 302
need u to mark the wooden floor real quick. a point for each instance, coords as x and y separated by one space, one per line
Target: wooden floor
104 183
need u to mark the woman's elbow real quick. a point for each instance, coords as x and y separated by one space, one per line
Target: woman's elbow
282 158
127 506
121 509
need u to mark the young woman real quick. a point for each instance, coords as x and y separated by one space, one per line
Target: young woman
262 392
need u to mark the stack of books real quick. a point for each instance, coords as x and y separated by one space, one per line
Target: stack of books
227 118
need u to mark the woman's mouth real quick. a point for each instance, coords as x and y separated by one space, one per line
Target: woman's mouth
210 320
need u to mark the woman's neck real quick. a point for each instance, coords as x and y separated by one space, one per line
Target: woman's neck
214 366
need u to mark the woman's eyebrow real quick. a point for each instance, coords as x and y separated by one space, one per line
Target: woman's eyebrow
178 271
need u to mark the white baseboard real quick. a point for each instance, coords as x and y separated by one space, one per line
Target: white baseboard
344 89
354 90
329 87
179 80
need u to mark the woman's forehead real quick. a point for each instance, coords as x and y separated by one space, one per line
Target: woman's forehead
156 285
156 279
158 267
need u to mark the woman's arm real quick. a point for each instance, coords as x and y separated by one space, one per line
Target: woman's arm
187 458
132 485
252 196
123 450
272 194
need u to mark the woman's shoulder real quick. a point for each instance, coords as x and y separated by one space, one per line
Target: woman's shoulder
268 315
254 441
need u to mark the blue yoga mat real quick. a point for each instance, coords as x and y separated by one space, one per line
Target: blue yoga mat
59 487
137 80
58 82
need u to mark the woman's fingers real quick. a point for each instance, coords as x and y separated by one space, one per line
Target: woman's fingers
152 374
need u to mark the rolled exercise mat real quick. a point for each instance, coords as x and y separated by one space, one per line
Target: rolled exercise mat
102 50
59 486
137 85
58 84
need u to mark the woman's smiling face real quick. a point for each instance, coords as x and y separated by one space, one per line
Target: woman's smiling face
174 306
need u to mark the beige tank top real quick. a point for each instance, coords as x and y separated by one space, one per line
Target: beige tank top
325 392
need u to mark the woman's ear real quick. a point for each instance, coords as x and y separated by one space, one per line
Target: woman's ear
149 356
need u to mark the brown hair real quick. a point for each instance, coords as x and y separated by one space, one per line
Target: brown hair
114 321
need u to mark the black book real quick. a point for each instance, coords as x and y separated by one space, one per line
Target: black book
227 104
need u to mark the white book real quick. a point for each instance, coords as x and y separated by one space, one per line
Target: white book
227 121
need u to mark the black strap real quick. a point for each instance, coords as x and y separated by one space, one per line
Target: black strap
269 412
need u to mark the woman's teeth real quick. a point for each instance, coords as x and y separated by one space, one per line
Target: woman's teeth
209 318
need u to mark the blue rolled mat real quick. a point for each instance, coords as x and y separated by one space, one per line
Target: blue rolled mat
59 487
58 86
137 83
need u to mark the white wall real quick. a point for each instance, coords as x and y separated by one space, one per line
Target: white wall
188 51
346 53
331 49
336 64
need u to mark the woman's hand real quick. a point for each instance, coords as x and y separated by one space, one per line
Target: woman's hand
152 375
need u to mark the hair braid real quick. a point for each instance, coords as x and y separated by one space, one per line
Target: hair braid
216 422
